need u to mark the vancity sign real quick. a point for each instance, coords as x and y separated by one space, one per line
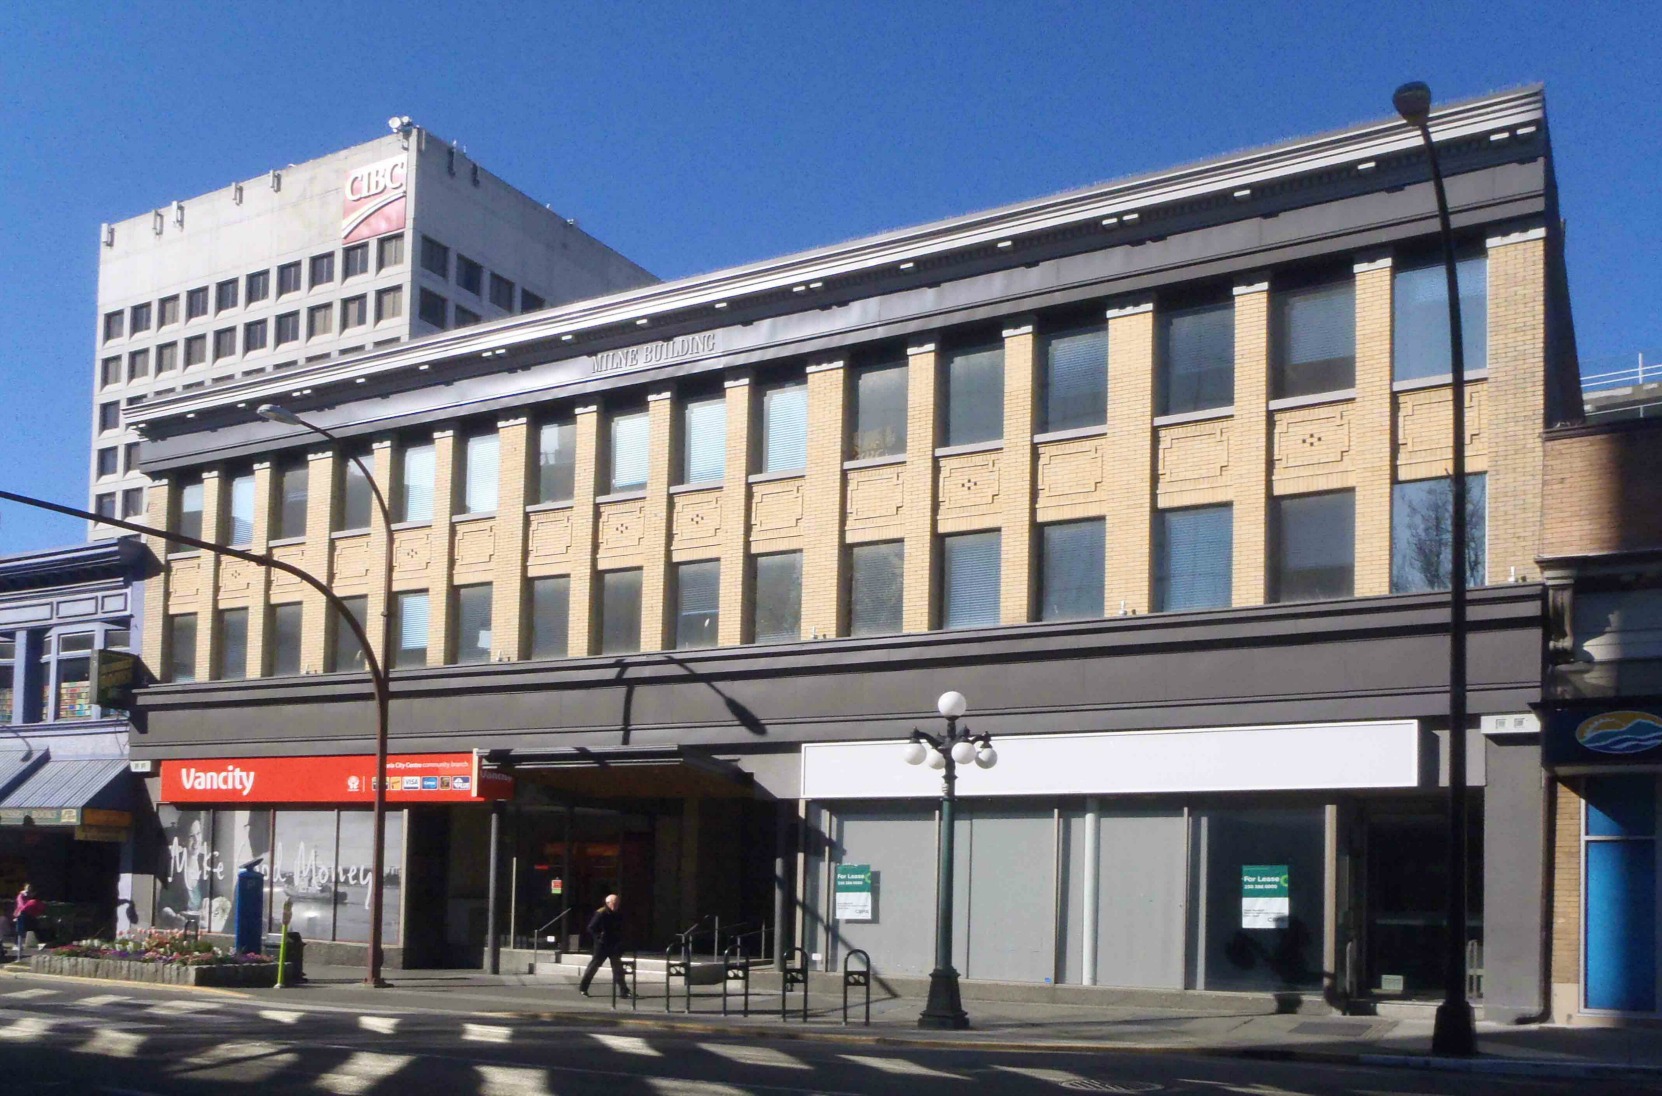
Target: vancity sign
375 199
411 778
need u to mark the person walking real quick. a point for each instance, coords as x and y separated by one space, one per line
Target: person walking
24 914
606 929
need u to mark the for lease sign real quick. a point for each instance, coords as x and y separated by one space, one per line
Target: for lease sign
411 778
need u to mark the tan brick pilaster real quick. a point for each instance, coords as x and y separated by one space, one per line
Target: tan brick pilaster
1249 450
1372 418
444 548
583 628
1128 458
260 597
207 600
376 601
822 502
160 511
1515 413
919 513
656 611
1015 477
508 563
322 487
735 515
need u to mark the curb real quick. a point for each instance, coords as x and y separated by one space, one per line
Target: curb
7 972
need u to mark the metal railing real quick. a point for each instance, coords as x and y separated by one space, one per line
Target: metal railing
1616 372
857 977
537 937
630 965
1474 969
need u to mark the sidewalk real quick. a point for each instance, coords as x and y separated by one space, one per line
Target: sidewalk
1003 1025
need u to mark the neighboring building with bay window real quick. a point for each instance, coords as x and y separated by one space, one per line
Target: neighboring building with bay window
73 820
1155 472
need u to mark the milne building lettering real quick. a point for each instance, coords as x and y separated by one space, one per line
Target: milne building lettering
658 353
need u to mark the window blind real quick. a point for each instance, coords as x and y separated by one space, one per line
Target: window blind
778 610
975 396
970 578
698 587
1194 558
233 645
785 428
1198 358
1314 541
1072 569
1076 379
347 652
418 483
412 622
879 412
704 442
631 436
550 616
285 634
556 461
876 584
479 491
1315 339
1419 318
242 510
473 623
291 512
620 612
190 510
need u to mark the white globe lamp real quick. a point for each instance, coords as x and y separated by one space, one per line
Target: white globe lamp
952 705
937 760
914 753
963 751
986 757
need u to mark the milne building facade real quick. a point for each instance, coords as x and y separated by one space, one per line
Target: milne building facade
1154 472
370 246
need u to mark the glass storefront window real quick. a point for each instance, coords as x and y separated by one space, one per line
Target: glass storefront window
303 870
1257 934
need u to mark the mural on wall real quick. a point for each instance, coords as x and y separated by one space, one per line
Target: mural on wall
201 851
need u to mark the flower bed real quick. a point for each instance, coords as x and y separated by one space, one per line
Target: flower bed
154 955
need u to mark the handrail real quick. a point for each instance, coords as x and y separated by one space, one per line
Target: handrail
536 937
856 978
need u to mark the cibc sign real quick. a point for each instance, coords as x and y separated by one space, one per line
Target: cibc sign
375 199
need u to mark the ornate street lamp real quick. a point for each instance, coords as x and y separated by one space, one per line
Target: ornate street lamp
1454 1031
945 1008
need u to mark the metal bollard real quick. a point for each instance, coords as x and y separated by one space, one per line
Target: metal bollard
861 977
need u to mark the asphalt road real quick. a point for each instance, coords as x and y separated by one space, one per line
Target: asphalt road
101 1038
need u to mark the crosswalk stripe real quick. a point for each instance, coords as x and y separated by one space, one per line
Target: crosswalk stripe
380 1025
361 1072
27 994
674 1086
280 1016
625 1044
102 999
27 1030
244 1062
110 1043
748 1055
512 1081
900 1066
486 1033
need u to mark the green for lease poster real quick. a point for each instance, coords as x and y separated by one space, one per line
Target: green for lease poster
853 892
1265 903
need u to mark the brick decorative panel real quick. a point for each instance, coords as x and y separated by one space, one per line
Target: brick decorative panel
237 579
1070 476
474 548
1424 439
968 486
351 561
876 502
281 581
412 552
184 583
695 520
1192 463
1313 449
549 540
776 511
621 529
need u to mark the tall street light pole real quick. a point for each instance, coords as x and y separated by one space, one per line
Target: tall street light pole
1454 1031
377 674
945 1007
377 886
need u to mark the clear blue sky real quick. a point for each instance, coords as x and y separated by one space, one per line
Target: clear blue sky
697 136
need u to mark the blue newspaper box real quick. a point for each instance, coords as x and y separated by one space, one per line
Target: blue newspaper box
250 907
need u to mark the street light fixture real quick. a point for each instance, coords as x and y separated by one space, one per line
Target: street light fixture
277 413
1454 1031
945 1007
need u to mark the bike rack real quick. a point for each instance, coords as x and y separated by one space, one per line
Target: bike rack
735 967
681 968
629 964
537 937
793 974
861 977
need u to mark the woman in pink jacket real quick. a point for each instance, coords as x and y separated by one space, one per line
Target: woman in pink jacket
24 913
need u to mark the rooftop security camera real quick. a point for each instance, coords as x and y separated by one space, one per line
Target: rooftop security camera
398 123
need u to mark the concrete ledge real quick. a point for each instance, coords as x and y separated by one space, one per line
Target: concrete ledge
218 975
1177 1000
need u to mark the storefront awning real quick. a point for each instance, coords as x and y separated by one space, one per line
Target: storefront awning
16 766
70 792
625 771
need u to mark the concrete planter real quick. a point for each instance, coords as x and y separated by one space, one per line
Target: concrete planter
234 975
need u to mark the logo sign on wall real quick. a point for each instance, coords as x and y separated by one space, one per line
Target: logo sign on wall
1581 734
1265 900
375 199
411 778
1623 732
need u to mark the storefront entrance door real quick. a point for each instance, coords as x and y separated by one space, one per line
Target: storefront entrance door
1406 900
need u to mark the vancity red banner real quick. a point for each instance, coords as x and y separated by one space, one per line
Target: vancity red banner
411 778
